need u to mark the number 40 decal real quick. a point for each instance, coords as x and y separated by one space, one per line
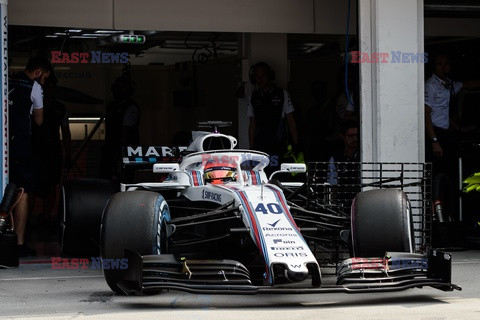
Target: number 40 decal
270 208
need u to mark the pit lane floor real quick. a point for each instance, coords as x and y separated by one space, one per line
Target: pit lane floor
36 291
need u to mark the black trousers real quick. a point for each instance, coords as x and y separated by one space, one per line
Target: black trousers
445 170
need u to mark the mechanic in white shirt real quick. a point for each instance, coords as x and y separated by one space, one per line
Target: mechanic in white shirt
439 90
26 103
441 130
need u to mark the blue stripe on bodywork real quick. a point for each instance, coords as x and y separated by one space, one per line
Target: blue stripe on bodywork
287 212
259 179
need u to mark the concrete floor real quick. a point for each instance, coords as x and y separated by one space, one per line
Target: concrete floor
36 291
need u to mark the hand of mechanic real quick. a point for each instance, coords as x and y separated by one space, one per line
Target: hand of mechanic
437 149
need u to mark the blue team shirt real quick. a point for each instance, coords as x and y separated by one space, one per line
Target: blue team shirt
437 97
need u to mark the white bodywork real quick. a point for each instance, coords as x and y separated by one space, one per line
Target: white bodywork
263 207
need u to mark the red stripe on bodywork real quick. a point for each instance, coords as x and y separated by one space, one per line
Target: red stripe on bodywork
254 177
195 178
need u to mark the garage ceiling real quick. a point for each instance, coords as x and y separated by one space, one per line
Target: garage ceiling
28 40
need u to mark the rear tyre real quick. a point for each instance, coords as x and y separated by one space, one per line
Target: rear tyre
83 204
133 220
381 221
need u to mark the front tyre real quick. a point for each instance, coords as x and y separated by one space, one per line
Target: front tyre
381 221
133 220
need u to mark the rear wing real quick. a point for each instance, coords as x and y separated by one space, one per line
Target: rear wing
141 155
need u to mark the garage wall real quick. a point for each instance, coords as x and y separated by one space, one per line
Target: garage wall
278 16
453 27
331 16
275 16
61 13
216 15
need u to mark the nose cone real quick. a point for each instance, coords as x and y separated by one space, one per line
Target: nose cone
296 276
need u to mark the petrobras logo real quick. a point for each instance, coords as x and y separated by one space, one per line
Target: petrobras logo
389 57
89 57
95 263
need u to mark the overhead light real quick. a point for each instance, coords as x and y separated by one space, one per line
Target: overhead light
84 119
109 31
51 36
98 35
83 37
60 34
313 47
73 30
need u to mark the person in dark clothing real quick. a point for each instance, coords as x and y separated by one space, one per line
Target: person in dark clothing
121 127
25 110
321 124
272 120
48 148
350 146
343 167
442 132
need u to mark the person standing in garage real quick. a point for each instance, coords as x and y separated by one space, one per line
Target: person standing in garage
50 150
268 109
25 110
343 166
121 127
442 131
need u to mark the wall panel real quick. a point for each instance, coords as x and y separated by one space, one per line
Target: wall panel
279 16
61 13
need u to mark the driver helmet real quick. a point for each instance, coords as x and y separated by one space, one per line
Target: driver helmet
219 173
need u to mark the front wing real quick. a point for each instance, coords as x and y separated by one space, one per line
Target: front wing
153 273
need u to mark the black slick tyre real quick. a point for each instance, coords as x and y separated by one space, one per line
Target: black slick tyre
381 221
133 220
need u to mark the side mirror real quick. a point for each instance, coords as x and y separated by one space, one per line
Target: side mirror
165 167
293 167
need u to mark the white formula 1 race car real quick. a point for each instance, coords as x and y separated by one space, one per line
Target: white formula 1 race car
217 224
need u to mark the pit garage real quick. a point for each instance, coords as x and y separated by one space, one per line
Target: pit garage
191 62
